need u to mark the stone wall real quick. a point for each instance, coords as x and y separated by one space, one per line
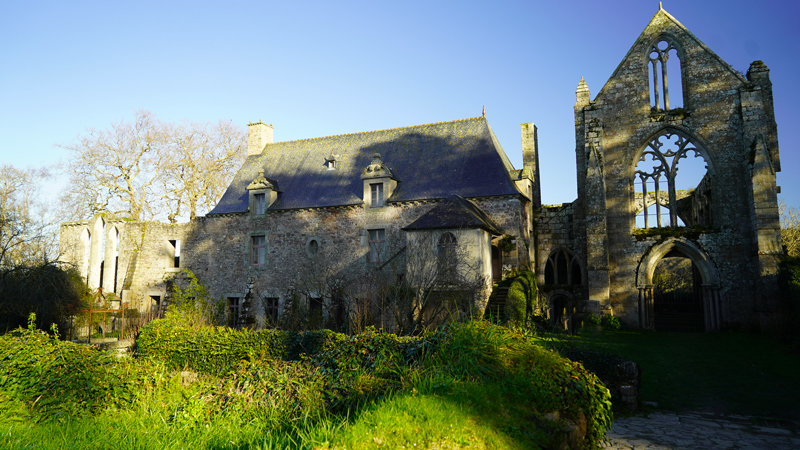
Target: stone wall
217 249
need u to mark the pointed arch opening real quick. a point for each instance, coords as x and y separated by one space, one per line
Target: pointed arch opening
665 196
664 74
563 268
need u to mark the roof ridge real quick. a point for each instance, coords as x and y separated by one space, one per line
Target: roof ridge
376 131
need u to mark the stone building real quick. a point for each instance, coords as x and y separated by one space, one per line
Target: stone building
302 215
358 203
671 102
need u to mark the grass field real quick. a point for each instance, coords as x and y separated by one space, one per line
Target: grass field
726 372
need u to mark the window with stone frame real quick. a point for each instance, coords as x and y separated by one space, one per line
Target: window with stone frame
377 194
665 93
258 250
377 245
685 195
562 267
271 310
259 204
233 311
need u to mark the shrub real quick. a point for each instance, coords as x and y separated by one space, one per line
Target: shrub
523 298
611 322
479 351
56 379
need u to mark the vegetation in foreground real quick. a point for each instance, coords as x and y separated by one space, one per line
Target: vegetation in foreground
472 384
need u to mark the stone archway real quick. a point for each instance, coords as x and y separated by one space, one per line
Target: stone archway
706 283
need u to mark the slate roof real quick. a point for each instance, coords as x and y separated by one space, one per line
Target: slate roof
433 161
454 212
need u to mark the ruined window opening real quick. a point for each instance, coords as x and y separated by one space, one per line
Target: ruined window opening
377 244
563 268
116 257
176 252
102 256
685 200
271 310
258 249
260 201
446 254
86 239
377 194
662 59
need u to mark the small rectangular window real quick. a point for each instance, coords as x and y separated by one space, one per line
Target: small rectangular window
377 245
271 310
176 251
377 194
233 311
260 204
258 250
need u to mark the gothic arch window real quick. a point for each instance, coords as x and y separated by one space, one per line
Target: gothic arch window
562 267
664 58
686 200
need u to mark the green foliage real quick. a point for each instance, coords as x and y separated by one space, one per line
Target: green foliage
611 322
49 379
48 290
195 306
522 302
480 351
601 363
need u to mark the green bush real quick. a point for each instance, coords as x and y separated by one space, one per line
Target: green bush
54 379
522 302
611 322
479 351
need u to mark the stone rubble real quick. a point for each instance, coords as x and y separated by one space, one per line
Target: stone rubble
671 431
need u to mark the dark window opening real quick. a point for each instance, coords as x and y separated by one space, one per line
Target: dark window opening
313 247
271 310
234 310
562 267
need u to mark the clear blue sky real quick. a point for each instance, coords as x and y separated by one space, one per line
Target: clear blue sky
322 68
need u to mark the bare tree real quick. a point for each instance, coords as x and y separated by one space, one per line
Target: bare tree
790 228
199 161
115 170
27 236
435 278
149 169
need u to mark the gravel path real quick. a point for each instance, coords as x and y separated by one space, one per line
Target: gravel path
670 431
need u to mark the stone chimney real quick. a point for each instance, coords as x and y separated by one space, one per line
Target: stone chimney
530 160
259 135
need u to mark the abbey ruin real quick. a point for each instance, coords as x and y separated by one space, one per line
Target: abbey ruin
359 202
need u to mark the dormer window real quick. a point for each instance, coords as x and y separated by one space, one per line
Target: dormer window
263 194
377 194
259 203
331 163
379 183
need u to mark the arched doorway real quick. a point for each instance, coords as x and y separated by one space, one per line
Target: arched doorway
678 288
677 294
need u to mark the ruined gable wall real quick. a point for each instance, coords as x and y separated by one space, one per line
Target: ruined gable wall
711 116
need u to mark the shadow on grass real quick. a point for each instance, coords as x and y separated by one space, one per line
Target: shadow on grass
735 373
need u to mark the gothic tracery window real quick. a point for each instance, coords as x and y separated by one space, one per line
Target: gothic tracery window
684 199
562 267
662 59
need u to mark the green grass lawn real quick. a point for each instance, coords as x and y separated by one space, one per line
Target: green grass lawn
726 372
